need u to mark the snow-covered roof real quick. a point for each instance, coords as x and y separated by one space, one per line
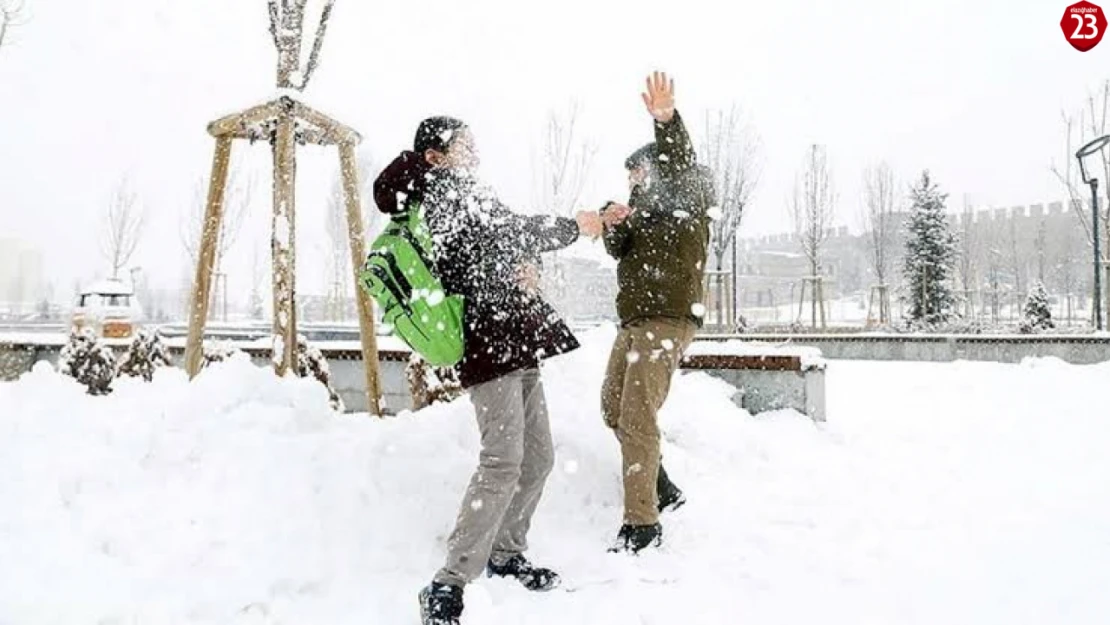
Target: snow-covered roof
108 287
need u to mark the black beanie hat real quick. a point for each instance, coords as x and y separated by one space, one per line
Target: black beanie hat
646 155
436 133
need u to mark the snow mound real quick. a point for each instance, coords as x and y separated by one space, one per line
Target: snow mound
241 498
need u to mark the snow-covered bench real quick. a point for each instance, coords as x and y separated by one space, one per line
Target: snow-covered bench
767 376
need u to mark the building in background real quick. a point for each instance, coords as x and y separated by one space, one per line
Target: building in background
23 285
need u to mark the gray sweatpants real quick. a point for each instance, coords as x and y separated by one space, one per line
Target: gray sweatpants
515 460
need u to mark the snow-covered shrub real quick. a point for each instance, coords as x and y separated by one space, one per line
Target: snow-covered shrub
218 351
311 363
89 361
431 385
145 354
1038 312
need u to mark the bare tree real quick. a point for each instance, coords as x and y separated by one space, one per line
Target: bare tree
566 160
880 226
732 153
12 15
286 27
255 305
967 261
123 225
338 254
237 200
1015 261
1088 123
880 199
811 209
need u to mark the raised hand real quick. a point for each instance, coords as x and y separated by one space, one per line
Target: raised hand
659 97
615 214
528 277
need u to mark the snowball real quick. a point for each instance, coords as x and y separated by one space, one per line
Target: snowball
698 310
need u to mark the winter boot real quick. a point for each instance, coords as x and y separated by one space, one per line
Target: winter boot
635 538
441 604
670 496
532 577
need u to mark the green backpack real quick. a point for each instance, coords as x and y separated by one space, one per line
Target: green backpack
399 275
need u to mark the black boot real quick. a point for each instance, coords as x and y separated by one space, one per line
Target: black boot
441 604
670 496
532 577
635 538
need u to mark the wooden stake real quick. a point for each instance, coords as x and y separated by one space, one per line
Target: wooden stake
284 263
358 256
213 215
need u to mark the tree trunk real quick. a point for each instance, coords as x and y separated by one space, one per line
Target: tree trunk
355 233
720 284
285 307
202 287
735 282
813 294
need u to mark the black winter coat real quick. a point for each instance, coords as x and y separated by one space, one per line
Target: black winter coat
480 247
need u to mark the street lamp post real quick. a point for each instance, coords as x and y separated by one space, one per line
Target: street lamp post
1085 151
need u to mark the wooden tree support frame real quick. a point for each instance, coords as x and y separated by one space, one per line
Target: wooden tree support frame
816 286
880 300
718 285
283 123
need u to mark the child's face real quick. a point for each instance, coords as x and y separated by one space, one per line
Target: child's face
637 176
461 153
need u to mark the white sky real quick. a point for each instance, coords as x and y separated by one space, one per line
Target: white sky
93 90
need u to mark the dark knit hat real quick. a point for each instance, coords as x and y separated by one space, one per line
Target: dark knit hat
401 183
646 155
436 133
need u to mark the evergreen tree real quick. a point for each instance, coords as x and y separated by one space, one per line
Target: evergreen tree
146 353
89 361
1038 314
930 256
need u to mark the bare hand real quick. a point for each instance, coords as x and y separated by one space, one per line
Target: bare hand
615 214
589 224
659 97
528 276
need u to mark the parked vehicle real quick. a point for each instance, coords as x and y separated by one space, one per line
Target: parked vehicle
109 308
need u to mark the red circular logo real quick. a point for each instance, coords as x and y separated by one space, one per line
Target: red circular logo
1083 24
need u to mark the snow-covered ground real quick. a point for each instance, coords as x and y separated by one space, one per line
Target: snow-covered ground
936 493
